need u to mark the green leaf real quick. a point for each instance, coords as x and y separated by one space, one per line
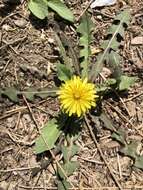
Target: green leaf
48 137
39 8
60 8
130 149
119 136
107 85
85 29
63 185
63 72
111 43
30 93
69 168
110 81
42 93
114 63
107 122
69 152
66 59
46 92
139 162
11 93
124 16
126 82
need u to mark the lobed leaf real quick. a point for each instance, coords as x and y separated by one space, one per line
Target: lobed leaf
139 162
69 168
63 72
46 92
107 122
29 94
114 36
119 136
63 54
69 152
13 94
85 28
114 62
130 149
106 86
63 185
126 82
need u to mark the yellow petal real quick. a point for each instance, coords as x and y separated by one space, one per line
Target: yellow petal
77 96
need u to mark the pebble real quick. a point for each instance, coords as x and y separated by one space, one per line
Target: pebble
6 27
20 23
137 40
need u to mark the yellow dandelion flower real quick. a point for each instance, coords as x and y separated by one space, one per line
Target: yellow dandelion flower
77 96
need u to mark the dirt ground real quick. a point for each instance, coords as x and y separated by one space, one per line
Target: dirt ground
28 42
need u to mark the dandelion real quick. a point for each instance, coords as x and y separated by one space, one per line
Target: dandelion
77 96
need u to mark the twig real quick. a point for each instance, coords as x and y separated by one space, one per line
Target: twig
101 153
8 16
119 166
92 161
125 119
38 177
44 179
12 42
5 67
88 5
122 102
98 188
30 187
16 169
136 96
17 141
14 111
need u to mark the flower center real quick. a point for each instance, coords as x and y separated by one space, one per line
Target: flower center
76 96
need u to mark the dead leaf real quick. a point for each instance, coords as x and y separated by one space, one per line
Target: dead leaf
95 50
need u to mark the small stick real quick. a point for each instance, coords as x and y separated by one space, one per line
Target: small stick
101 153
88 5
136 96
16 169
119 166
125 119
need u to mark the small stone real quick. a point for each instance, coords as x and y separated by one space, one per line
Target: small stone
6 27
132 108
4 185
51 40
106 72
139 115
99 17
20 23
137 40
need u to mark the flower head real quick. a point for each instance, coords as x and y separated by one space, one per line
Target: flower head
77 96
